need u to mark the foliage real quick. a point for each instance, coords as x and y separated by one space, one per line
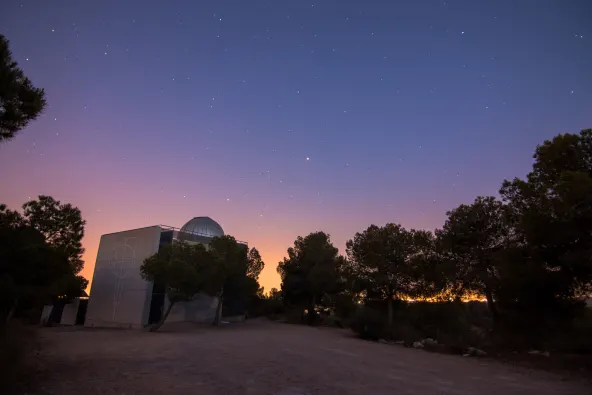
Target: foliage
20 101
274 294
224 269
229 278
29 268
457 325
470 239
529 255
384 262
370 324
309 273
184 269
547 268
269 305
61 225
254 264
39 255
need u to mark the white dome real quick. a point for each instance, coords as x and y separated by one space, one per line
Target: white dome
203 226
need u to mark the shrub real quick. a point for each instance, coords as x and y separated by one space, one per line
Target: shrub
369 323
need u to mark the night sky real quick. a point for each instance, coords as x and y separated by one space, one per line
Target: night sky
279 118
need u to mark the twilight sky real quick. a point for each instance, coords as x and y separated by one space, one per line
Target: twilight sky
278 118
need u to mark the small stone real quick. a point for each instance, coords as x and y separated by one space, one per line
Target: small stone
466 355
382 341
476 352
417 345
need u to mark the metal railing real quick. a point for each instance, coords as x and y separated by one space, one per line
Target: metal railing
167 227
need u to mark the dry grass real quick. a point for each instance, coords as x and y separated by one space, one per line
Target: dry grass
262 357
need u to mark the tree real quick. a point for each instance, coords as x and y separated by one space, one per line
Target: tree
274 294
183 268
10 219
470 239
309 272
229 271
254 264
382 260
61 225
33 270
551 217
429 271
20 101
30 269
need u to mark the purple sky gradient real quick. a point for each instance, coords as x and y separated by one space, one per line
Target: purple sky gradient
162 111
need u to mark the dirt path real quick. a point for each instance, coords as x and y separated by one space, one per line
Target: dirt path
261 357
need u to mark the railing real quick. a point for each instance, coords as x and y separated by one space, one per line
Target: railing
167 227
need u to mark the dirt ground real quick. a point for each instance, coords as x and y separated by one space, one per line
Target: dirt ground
262 357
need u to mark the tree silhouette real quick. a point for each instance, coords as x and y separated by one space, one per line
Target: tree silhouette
551 217
309 272
32 265
180 266
20 101
471 237
382 261
228 274
61 225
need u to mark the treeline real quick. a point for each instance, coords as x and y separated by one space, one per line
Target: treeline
527 254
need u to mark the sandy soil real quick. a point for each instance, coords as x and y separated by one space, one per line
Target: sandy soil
261 357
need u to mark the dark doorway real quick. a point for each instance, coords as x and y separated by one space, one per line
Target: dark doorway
157 303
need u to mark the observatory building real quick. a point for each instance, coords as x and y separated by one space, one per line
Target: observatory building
119 297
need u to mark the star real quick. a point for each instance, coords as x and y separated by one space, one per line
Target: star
307 158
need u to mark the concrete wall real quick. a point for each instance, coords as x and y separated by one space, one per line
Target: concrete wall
119 297
201 309
45 313
69 313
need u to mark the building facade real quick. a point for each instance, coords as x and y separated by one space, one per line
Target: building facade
119 297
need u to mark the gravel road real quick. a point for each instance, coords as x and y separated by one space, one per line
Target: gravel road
261 357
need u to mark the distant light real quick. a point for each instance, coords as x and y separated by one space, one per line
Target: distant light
307 158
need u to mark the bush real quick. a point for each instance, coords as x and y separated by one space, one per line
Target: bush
271 308
369 323
457 325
